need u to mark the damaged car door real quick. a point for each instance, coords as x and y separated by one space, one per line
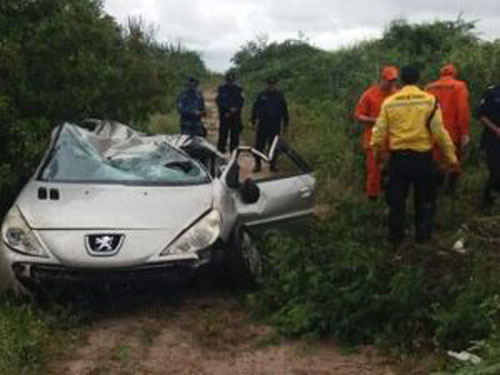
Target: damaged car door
276 199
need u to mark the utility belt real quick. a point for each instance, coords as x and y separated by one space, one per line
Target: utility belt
408 159
411 153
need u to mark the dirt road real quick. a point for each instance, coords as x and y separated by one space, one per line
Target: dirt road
201 333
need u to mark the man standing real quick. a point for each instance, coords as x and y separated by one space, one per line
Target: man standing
367 111
489 115
229 102
269 114
191 107
453 97
410 120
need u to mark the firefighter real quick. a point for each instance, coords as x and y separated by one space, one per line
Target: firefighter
191 107
409 121
229 102
367 111
269 115
489 115
453 97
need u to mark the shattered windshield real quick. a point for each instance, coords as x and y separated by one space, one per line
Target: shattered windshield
116 153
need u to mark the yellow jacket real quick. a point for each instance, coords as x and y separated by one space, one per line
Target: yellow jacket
403 120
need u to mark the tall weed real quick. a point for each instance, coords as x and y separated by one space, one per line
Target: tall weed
343 279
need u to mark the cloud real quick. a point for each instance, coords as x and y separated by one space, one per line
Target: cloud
217 28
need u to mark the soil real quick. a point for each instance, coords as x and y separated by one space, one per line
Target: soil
203 334
186 332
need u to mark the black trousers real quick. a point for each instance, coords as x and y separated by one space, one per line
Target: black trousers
493 163
408 169
263 140
229 126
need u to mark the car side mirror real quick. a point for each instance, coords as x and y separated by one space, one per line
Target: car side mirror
249 191
233 176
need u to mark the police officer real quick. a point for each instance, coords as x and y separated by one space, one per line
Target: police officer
191 107
489 115
229 102
269 114
409 120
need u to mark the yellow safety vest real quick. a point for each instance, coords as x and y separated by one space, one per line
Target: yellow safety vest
405 120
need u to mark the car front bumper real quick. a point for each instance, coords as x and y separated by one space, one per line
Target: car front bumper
24 273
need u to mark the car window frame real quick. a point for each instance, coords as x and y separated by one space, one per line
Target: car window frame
304 168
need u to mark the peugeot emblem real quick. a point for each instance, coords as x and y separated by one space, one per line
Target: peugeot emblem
103 244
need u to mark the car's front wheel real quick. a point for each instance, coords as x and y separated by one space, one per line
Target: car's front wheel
243 263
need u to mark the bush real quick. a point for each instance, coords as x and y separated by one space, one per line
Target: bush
343 279
66 60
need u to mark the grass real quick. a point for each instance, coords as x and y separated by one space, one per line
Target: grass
30 336
342 280
345 281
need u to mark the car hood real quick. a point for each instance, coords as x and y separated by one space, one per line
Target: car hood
81 206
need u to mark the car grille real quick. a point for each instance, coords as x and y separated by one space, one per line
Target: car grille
46 272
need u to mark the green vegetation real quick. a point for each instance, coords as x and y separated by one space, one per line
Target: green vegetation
343 279
66 60
29 336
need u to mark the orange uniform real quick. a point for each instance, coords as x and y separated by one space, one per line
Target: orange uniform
453 97
369 105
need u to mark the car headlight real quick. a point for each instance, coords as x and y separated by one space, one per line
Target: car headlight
17 235
201 235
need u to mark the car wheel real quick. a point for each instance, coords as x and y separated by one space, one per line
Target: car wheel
243 263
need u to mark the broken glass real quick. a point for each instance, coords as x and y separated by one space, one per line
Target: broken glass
116 153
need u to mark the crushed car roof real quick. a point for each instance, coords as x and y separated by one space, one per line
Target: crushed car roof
114 152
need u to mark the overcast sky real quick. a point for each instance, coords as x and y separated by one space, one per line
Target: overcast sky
217 28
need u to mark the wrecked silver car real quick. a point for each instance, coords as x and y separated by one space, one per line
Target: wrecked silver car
109 202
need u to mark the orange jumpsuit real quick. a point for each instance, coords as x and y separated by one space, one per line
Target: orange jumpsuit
369 105
453 97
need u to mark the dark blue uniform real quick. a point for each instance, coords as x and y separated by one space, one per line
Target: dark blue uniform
191 107
229 102
489 107
270 114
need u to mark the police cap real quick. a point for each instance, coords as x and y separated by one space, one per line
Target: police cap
193 80
231 76
272 80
